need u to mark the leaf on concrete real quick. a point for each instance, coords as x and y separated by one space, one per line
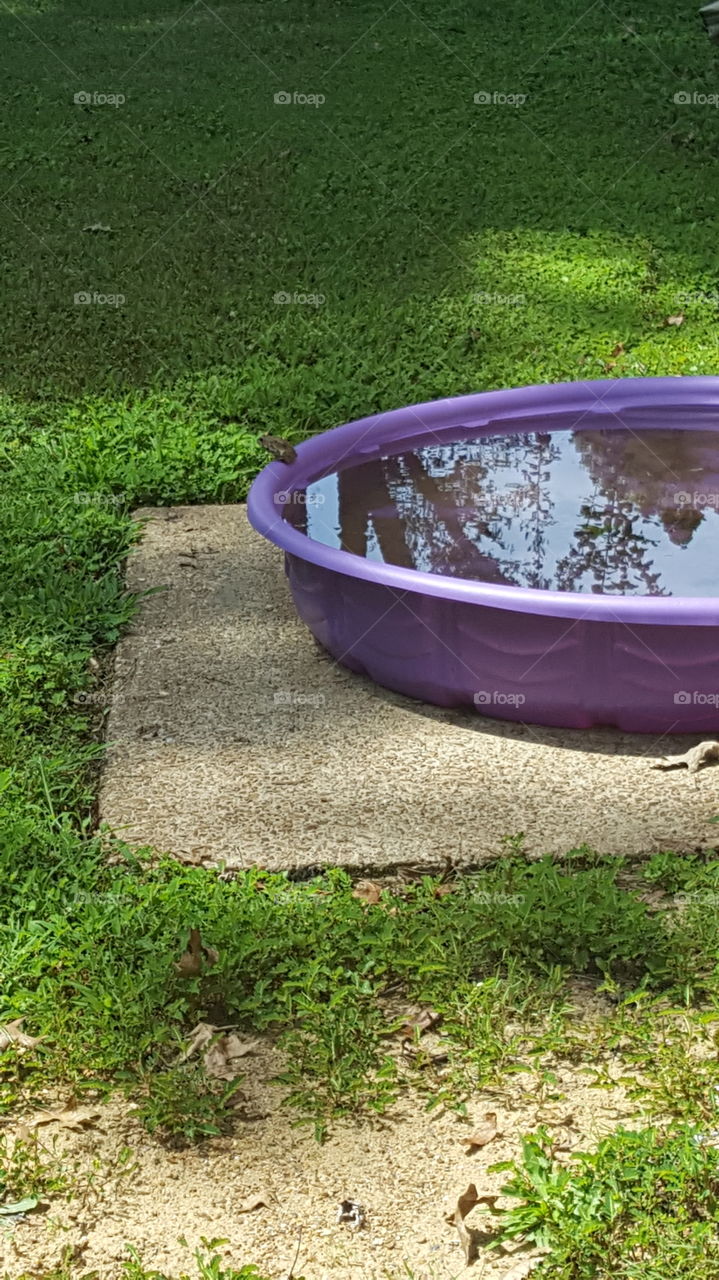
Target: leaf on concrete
12 1033
20 1206
484 1132
368 891
237 1048
254 1202
704 753
223 1055
469 1238
68 1117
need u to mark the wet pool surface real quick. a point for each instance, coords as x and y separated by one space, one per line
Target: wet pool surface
608 510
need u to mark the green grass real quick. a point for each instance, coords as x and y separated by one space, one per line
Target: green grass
209 1266
643 1206
415 213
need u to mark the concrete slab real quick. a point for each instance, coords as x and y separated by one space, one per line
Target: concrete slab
233 738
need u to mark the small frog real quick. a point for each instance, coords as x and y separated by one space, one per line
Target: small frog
280 449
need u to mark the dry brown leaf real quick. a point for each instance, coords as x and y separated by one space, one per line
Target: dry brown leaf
704 753
468 1236
237 1048
484 1132
190 963
441 890
12 1033
68 1117
201 1036
222 1057
368 891
618 350
675 320
254 1202
222 1051
427 1020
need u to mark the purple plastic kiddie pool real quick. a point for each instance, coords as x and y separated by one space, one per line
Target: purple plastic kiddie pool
548 554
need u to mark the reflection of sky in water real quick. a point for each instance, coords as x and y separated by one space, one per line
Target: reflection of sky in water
519 532
323 515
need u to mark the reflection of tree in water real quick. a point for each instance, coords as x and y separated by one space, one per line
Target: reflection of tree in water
441 509
609 551
650 468
485 509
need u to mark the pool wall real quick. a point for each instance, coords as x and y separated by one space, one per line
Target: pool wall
646 664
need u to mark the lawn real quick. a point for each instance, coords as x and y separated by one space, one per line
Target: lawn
454 198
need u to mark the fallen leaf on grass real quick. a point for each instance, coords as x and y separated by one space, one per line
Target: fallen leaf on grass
12 1033
20 1206
68 1117
618 350
674 320
254 1202
97 226
368 891
222 1052
484 1132
201 1036
705 753
441 890
468 1236
427 1020
223 1055
190 963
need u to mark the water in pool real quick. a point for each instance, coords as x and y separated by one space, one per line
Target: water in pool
609 511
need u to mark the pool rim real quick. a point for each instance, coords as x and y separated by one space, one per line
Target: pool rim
326 450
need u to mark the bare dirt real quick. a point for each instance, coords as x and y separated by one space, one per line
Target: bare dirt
406 1170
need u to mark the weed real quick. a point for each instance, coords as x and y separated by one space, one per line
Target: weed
27 1168
643 1205
183 1105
